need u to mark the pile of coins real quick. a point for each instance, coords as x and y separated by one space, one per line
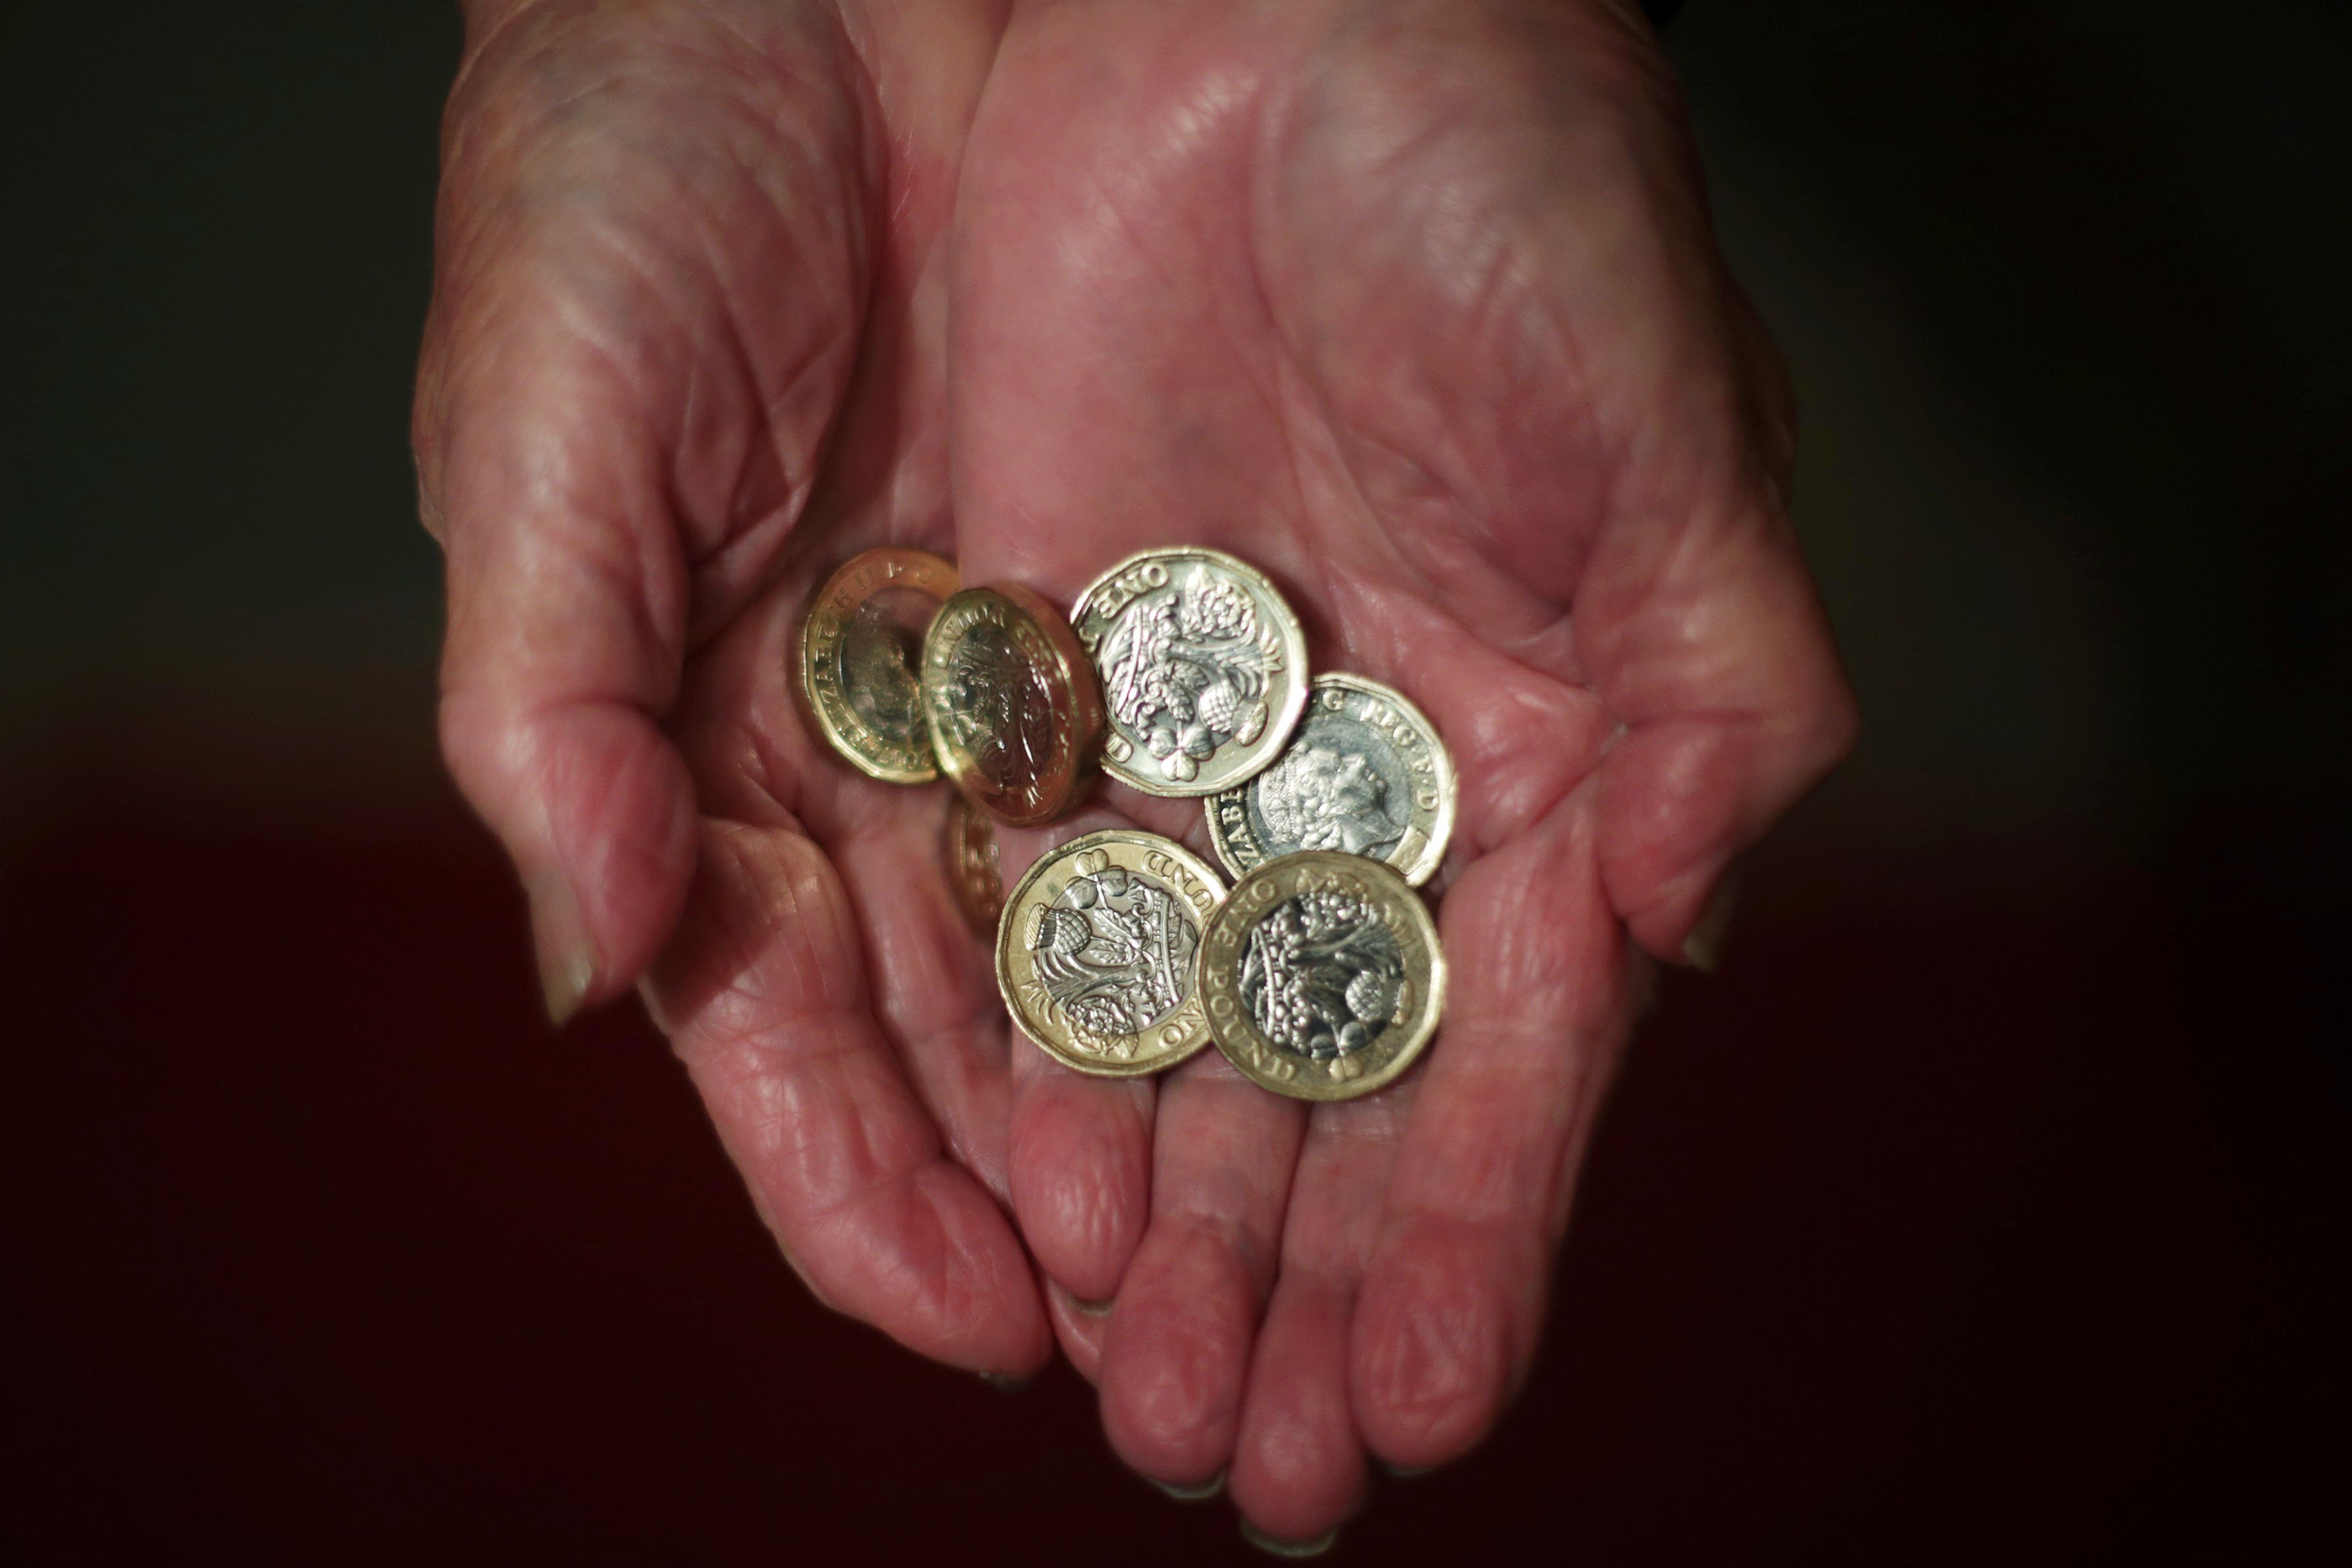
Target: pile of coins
1181 672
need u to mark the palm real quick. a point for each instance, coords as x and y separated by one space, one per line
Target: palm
1182 318
1399 310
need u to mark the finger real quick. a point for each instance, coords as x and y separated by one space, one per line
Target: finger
1176 1355
935 988
1298 1465
764 995
1538 1009
562 649
1080 1147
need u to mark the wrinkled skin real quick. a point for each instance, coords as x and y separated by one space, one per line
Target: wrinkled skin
1410 303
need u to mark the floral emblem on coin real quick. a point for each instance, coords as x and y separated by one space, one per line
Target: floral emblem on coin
1186 670
1114 950
1322 975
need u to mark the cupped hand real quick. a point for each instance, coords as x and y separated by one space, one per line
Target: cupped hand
684 357
1412 303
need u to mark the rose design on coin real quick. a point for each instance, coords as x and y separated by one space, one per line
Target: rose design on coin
1203 668
1321 976
1184 668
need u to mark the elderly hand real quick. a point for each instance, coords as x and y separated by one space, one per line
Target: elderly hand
1412 303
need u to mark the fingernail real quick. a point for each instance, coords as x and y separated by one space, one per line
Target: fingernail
1199 1491
1704 946
1091 1308
567 953
1005 1382
1275 1547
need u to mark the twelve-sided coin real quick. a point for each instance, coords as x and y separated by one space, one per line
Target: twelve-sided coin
1365 773
1322 975
1015 713
1095 953
1203 669
857 649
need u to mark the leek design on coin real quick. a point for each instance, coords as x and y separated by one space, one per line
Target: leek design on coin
1365 774
1203 669
1015 714
1096 952
1322 975
858 647
971 862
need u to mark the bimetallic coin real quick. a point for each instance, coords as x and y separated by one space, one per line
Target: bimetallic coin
1365 773
1202 665
1015 715
1095 953
973 864
1322 975
859 644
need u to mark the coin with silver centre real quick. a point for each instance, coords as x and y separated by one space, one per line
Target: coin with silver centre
1322 977
1365 773
1203 669
1094 955
859 644
1014 712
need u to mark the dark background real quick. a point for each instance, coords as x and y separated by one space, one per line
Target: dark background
1988 1204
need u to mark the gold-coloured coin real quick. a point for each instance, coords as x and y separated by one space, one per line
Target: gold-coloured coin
1203 669
1365 773
1322 975
1095 953
1015 714
973 870
858 647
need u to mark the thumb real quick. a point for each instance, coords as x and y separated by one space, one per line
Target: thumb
567 607
1709 645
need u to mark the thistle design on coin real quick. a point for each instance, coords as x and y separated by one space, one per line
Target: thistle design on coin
1364 775
1322 975
1095 955
1202 666
857 650
1015 712
1114 950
